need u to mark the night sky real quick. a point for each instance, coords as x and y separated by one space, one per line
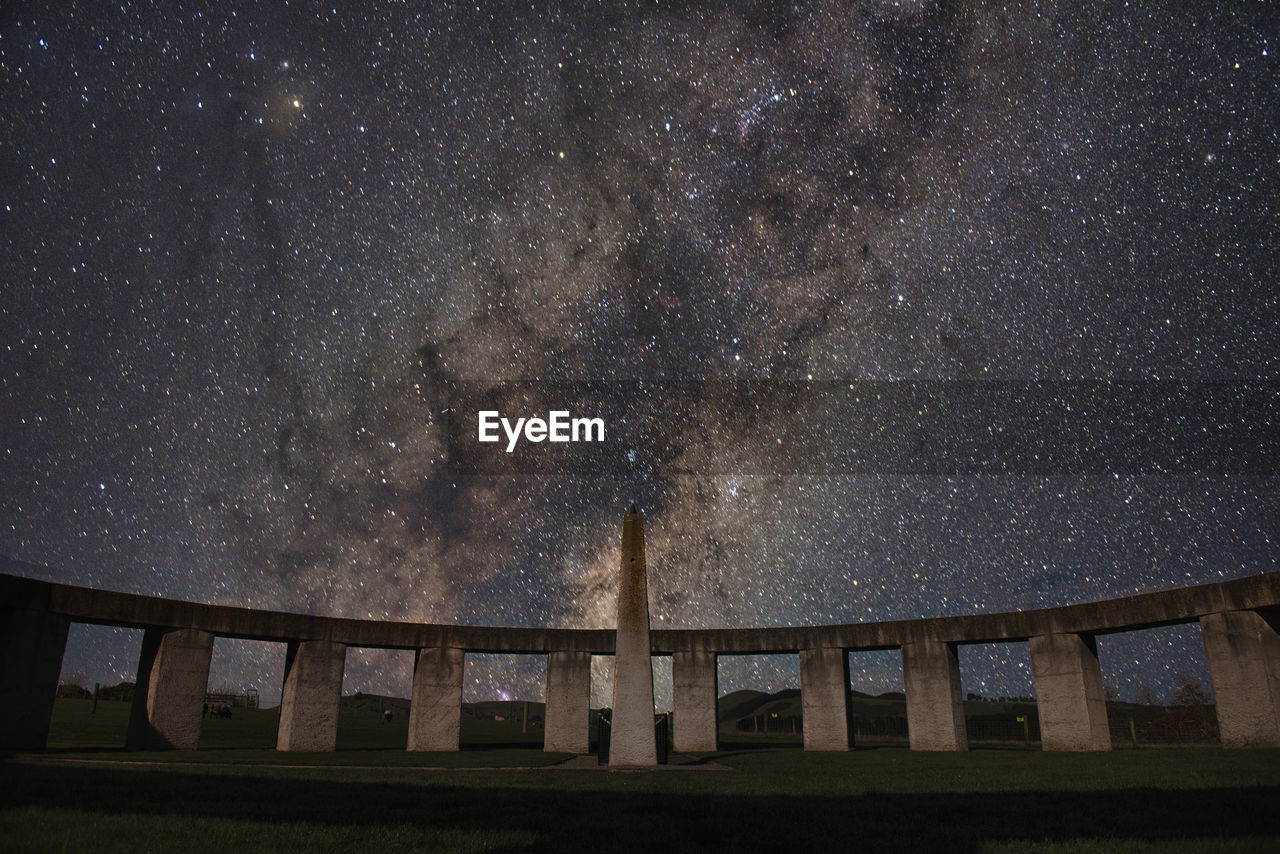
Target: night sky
891 310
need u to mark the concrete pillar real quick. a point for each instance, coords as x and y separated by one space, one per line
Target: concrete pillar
568 720
824 698
436 714
312 691
631 737
694 702
168 696
32 640
1069 693
1243 649
935 706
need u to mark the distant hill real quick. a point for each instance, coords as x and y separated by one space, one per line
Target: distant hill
743 704
373 703
376 704
737 706
508 710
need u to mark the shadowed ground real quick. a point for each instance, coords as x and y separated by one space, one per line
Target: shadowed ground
86 793
884 799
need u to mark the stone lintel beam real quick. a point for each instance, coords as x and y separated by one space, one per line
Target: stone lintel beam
312 691
168 696
1166 607
1243 650
935 706
568 718
32 641
694 701
824 697
435 716
1069 694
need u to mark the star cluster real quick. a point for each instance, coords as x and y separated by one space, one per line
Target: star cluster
257 256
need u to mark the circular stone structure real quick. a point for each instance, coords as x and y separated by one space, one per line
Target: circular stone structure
1239 621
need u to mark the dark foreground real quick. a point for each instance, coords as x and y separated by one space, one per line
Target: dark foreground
870 800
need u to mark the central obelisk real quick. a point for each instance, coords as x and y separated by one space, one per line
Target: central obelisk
631 738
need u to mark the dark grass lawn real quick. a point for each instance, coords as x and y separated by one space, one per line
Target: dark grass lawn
77 727
782 799
87 793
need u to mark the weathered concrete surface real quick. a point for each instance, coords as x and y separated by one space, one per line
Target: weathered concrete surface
32 640
693 710
1243 650
632 741
1260 593
1147 610
1069 694
312 691
1167 607
168 697
435 715
824 698
568 717
935 705
109 608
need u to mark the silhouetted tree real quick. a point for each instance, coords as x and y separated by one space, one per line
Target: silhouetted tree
1190 692
73 690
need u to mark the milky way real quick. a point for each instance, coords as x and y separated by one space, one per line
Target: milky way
891 310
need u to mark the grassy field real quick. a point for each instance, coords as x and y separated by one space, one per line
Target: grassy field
76 727
369 796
